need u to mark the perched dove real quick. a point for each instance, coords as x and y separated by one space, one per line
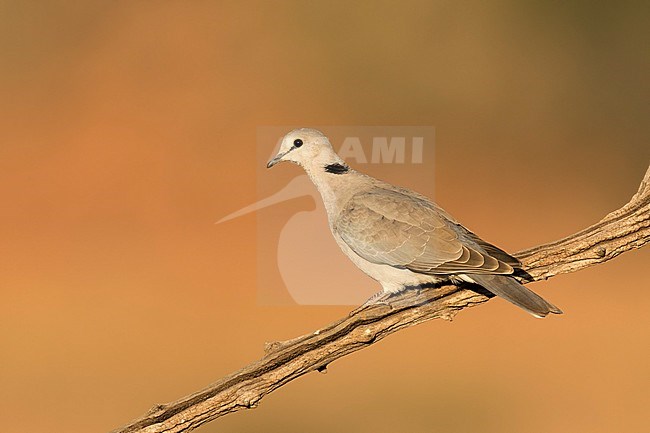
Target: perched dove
398 237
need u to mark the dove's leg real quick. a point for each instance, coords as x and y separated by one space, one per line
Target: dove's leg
379 298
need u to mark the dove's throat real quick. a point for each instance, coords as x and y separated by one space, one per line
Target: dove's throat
335 182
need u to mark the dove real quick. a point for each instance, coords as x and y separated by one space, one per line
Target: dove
398 237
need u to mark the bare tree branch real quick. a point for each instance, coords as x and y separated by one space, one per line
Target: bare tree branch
620 231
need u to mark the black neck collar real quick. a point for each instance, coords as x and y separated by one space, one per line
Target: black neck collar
337 168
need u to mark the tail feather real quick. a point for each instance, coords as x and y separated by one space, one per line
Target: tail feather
509 289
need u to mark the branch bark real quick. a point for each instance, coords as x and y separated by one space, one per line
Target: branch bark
622 230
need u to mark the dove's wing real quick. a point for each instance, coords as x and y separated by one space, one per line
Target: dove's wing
406 231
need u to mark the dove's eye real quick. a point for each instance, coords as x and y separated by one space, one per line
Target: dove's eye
297 142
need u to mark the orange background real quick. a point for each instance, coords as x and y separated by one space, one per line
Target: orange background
128 128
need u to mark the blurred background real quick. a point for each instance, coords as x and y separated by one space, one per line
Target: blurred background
128 128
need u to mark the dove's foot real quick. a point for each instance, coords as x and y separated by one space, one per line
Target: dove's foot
379 298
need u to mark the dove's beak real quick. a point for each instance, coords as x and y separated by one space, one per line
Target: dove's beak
278 158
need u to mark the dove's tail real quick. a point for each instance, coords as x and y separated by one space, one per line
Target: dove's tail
509 289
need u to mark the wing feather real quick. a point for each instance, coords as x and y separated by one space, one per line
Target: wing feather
407 231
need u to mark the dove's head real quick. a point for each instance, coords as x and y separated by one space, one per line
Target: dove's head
306 147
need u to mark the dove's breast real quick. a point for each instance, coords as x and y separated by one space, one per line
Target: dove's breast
392 279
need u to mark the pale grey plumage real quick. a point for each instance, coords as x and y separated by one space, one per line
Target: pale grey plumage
401 230
401 238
